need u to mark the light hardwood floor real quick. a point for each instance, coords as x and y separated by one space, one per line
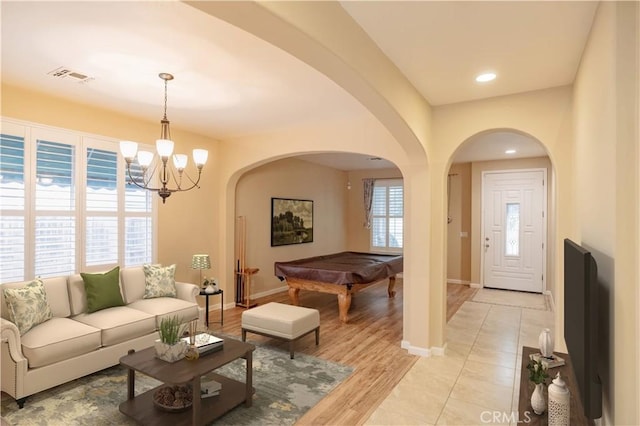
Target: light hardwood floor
370 343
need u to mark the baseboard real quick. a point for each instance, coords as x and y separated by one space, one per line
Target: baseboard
553 303
439 350
475 285
415 350
270 292
454 281
232 304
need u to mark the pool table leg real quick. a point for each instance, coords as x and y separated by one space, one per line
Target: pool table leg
391 287
344 302
293 296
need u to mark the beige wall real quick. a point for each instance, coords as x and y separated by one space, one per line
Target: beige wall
606 127
459 207
290 178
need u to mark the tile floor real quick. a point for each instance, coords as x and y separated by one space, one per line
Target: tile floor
479 374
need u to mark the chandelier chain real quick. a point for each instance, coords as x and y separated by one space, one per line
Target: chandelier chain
165 99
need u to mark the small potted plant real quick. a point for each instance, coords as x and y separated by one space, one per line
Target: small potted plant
170 347
538 375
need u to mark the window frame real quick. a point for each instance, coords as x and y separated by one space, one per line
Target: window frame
387 183
82 141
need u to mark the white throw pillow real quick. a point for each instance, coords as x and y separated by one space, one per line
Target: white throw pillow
159 281
28 305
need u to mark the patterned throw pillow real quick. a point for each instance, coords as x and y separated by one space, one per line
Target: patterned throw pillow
159 281
28 305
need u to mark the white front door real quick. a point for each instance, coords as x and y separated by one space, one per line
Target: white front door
514 204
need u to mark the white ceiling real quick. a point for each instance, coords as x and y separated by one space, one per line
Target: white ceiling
442 45
229 83
492 146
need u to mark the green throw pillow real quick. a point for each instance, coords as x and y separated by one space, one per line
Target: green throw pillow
159 281
103 290
28 305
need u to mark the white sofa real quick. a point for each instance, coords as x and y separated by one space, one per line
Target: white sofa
75 343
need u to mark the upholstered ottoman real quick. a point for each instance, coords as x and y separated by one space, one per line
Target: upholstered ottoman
281 321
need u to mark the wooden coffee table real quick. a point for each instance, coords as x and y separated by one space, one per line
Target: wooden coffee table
204 410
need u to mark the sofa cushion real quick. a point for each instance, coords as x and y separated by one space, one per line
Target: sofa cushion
167 306
27 306
132 283
57 296
58 339
159 281
102 290
77 295
119 323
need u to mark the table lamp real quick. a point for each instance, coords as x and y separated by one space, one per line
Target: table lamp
200 261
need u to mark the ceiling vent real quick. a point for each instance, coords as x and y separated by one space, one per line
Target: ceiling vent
64 72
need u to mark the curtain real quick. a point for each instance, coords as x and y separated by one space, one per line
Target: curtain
368 200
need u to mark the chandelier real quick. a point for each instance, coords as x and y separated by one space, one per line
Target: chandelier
166 174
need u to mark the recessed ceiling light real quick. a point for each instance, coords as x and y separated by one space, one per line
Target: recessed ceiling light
510 151
488 76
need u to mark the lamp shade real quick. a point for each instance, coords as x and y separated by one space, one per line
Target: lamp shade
200 261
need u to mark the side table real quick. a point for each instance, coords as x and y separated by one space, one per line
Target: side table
206 315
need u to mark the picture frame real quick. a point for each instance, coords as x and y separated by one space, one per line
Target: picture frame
291 221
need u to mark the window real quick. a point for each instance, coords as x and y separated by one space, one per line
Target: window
12 203
55 207
387 215
512 234
65 205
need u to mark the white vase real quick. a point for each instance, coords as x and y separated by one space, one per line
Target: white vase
559 403
545 341
538 403
171 353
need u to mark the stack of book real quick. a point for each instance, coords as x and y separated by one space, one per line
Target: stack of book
206 342
209 388
549 362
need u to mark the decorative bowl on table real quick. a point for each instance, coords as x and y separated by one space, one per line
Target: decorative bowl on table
173 398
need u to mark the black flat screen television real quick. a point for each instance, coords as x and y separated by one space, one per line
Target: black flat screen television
581 324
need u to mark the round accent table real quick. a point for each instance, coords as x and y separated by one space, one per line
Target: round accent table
207 295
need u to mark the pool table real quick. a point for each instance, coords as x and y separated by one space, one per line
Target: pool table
342 274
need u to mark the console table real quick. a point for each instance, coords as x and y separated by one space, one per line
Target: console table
525 412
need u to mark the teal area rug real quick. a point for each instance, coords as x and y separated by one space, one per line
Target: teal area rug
285 390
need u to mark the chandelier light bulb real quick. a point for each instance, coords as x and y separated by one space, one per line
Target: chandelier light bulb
200 157
128 150
145 158
164 147
180 161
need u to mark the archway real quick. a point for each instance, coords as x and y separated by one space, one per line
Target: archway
485 152
335 192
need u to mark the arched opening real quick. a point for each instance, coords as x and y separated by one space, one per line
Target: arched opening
332 184
476 244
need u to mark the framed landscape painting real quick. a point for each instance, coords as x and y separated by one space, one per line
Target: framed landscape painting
291 221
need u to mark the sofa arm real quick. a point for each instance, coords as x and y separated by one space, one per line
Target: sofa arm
187 291
11 335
